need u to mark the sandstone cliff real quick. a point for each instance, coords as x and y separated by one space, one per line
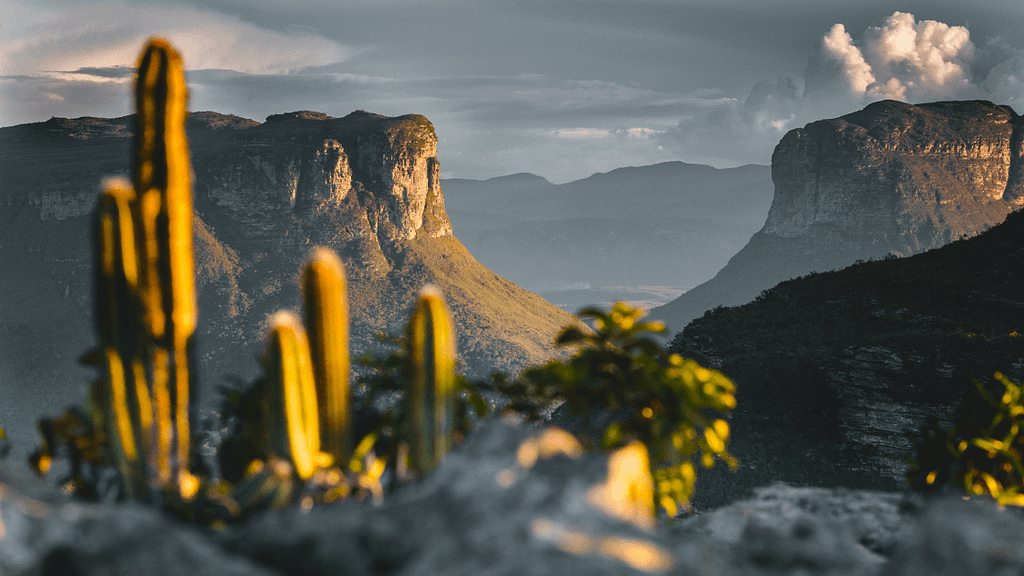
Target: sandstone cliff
265 193
892 178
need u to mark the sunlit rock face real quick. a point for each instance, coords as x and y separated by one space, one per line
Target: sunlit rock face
896 177
302 164
893 178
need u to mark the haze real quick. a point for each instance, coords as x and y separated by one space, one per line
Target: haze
557 88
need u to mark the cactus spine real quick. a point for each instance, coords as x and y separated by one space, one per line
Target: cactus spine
325 308
292 425
145 295
432 393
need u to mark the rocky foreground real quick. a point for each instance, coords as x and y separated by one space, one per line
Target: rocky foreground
486 512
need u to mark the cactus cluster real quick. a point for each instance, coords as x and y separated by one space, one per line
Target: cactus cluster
301 427
145 305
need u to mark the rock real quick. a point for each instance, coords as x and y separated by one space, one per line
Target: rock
892 178
515 499
43 532
481 512
954 537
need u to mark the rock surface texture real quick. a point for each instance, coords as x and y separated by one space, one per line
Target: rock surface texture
892 178
470 517
364 185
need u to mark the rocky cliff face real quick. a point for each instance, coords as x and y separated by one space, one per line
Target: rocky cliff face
892 178
265 193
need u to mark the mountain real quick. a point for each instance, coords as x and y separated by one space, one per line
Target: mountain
831 368
265 193
892 178
613 231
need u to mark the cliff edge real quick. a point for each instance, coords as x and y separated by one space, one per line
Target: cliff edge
893 178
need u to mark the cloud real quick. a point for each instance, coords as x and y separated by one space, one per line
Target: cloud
109 34
902 59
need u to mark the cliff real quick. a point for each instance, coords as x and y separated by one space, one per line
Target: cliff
265 193
832 368
892 178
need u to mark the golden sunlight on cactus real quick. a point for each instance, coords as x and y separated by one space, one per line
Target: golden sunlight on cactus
163 212
292 426
325 309
432 392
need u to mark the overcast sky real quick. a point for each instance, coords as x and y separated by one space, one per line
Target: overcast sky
558 88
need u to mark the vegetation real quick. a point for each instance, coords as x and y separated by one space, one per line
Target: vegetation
981 453
662 400
290 435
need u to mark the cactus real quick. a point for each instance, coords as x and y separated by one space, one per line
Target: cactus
163 214
432 385
292 427
145 294
325 307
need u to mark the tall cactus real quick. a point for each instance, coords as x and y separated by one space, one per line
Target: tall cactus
145 291
432 392
292 426
325 309
163 214
125 399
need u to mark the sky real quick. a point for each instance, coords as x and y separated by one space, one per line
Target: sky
559 88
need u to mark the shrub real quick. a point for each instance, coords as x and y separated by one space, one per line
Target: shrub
668 403
981 453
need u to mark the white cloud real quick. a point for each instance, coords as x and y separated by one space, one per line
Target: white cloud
838 45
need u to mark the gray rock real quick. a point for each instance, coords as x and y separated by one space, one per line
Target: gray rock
962 538
42 532
492 508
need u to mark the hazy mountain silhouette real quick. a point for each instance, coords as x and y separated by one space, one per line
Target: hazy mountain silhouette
670 225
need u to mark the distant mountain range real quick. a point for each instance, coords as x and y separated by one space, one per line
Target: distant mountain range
265 193
643 234
892 178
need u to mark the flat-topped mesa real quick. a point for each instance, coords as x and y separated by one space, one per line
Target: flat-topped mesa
893 178
898 177
307 163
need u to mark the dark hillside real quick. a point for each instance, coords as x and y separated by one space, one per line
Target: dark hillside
832 367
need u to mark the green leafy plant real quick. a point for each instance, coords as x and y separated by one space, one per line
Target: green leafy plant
981 453
670 404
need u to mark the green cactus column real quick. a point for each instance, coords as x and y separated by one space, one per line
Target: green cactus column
292 425
163 214
432 393
325 308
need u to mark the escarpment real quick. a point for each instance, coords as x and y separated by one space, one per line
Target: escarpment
364 185
893 178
